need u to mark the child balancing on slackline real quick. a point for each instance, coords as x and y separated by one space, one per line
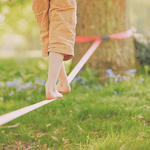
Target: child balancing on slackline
57 21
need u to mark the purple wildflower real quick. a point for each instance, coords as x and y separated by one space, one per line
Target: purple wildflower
108 70
115 92
81 70
107 76
34 86
9 83
83 81
127 72
28 98
19 79
40 88
29 84
19 88
14 82
106 84
120 79
87 87
97 87
37 79
1 98
11 93
116 79
42 82
109 73
112 75
139 82
24 86
76 79
133 70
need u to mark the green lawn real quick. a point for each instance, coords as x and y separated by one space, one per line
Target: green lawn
113 116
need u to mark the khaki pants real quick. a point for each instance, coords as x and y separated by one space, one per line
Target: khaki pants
57 20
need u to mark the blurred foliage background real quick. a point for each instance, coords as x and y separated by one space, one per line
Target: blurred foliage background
139 14
19 29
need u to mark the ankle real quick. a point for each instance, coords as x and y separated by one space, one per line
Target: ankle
50 86
63 81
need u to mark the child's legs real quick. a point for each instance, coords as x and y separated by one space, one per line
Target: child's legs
62 74
55 62
63 85
41 11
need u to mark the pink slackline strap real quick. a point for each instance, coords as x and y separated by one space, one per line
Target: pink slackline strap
97 40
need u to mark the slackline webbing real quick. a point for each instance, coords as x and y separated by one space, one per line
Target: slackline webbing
80 39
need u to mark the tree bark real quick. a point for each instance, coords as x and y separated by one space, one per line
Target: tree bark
101 18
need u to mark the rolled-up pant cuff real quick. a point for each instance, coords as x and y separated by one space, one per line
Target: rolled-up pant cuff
57 21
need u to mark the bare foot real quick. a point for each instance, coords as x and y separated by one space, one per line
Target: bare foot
51 93
63 88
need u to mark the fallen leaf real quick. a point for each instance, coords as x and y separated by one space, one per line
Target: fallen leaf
142 134
45 147
64 128
140 117
2 131
46 133
56 131
13 126
148 95
38 134
133 98
122 147
30 134
94 133
37 131
26 145
80 128
65 141
5 148
17 142
10 133
146 106
54 138
48 125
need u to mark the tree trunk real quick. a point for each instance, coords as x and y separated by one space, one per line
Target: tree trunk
100 18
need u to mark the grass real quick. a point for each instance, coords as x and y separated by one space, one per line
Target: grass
91 116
